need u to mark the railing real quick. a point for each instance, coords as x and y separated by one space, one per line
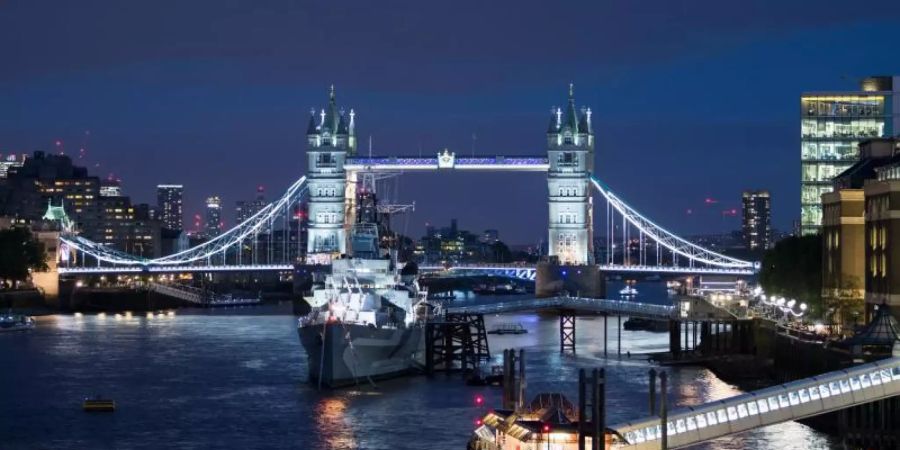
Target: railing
636 309
801 399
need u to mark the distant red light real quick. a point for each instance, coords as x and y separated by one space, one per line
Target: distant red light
546 428
479 400
478 422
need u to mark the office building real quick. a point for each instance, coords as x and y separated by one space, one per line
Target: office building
832 125
169 205
756 223
10 161
246 209
110 188
857 267
213 225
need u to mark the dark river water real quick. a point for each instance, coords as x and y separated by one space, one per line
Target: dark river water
237 379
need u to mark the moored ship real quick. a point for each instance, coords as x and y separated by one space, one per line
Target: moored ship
364 324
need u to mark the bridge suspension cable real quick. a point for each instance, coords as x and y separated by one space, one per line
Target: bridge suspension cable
263 221
675 244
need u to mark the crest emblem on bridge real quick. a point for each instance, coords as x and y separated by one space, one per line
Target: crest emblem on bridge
446 160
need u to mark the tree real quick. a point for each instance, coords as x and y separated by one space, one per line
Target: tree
20 253
793 269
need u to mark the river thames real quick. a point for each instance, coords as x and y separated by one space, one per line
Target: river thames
237 379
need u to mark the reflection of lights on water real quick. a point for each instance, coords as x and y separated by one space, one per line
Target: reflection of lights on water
171 313
78 315
331 423
101 315
127 314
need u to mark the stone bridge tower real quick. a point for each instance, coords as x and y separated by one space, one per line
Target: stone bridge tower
330 139
570 149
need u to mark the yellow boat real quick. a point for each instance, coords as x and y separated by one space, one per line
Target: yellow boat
98 405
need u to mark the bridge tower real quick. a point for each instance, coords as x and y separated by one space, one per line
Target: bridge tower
570 150
330 139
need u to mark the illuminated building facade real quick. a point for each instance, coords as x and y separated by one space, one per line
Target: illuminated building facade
756 222
330 139
170 205
213 225
570 149
244 210
10 161
832 125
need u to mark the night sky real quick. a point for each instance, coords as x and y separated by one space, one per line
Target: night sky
691 99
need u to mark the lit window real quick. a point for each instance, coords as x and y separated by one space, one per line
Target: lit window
722 416
751 408
783 401
691 424
773 404
864 380
804 396
711 418
823 391
813 393
854 384
732 413
794 398
680 426
763 406
701 421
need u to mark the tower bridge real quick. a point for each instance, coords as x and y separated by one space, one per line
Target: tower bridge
267 241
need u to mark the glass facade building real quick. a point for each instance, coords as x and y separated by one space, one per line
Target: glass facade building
832 125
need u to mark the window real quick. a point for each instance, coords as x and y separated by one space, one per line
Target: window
691 424
783 401
794 398
804 396
763 406
711 418
701 421
854 384
732 413
751 409
720 414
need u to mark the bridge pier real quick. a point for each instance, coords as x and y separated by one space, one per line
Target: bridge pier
566 330
459 339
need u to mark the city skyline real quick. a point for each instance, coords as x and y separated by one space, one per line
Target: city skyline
218 105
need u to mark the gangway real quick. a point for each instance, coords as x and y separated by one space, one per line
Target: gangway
797 400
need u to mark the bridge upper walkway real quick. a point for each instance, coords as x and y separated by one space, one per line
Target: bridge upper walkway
587 305
800 399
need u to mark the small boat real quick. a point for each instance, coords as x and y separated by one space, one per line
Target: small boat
508 328
628 291
14 322
98 404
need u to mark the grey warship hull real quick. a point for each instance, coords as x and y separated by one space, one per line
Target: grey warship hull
347 354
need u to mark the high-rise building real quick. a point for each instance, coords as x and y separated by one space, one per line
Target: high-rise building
110 187
756 223
244 210
570 150
213 224
832 124
169 207
10 161
329 141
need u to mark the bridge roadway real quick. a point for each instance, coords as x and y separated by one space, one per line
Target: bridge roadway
529 271
585 305
524 272
800 399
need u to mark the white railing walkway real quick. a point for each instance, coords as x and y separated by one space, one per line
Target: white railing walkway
800 399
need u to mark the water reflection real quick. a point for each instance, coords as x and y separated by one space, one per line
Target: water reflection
231 379
332 425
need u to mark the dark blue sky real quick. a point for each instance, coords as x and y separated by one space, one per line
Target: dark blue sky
692 99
